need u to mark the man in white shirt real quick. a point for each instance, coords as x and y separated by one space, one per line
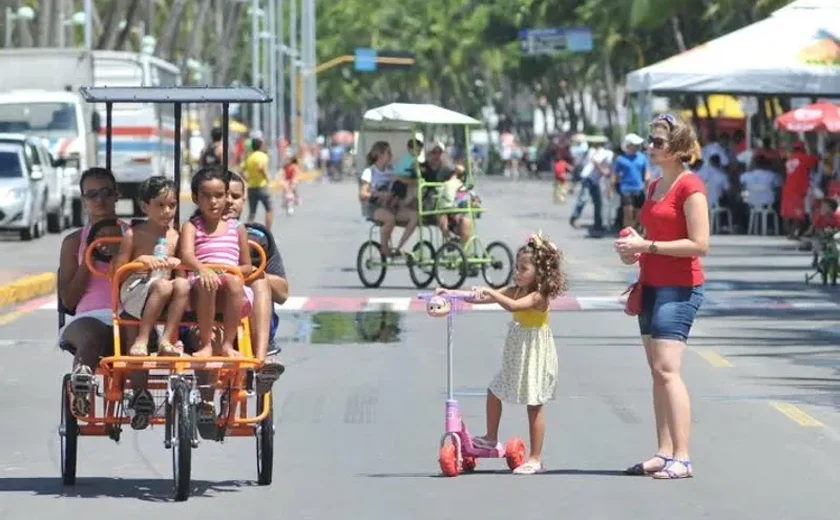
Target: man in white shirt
716 180
759 184
596 163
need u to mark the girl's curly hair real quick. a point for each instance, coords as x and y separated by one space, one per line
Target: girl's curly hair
548 260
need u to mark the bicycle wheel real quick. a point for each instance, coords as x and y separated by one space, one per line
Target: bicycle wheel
450 257
370 265
495 272
265 441
68 432
421 265
180 417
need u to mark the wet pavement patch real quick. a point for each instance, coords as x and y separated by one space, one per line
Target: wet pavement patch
341 328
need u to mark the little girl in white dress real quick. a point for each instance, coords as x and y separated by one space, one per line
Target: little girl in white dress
529 362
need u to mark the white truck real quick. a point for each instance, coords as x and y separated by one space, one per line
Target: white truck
41 99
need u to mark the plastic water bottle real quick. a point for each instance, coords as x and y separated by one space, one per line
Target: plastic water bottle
161 252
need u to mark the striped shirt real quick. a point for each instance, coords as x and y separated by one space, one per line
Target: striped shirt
217 249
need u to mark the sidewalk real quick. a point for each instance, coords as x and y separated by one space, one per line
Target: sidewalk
19 286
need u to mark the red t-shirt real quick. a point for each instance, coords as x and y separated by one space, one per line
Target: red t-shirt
823 222
798 168
664 221
561 169
290 171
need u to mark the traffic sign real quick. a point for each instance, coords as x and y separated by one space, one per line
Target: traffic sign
554 40
365 60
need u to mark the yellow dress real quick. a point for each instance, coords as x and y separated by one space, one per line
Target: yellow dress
529 361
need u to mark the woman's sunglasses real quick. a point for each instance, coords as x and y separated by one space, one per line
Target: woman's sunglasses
100 194
657 142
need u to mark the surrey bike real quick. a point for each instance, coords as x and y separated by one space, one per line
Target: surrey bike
176 383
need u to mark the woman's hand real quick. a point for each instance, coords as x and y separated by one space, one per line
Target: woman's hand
481 293
631 245
209 279
440 291
629 259
173 261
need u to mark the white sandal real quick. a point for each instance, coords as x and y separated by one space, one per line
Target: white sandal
484 444
530 468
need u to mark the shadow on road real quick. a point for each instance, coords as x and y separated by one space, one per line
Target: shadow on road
150 490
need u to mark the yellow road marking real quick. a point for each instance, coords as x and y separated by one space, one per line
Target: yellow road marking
714 359
796 414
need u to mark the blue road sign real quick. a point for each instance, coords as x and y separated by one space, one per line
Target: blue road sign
578 39
553 40
365 60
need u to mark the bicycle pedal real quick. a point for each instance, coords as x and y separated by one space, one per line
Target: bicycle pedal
140 422
81 384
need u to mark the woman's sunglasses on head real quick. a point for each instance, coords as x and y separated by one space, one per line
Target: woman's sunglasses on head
668 119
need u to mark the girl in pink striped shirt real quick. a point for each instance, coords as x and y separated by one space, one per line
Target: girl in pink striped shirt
207 238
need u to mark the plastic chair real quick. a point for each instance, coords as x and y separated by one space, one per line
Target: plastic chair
760 216
761 212
715 214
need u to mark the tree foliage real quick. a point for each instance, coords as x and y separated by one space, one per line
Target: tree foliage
468 51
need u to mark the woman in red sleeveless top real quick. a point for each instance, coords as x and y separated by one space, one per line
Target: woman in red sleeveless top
675 217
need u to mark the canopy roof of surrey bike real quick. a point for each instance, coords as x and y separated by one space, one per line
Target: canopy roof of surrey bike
177 96
406 115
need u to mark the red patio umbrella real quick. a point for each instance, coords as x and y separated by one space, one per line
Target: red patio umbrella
817 117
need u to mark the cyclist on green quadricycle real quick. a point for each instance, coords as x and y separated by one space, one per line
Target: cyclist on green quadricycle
379 192
430 198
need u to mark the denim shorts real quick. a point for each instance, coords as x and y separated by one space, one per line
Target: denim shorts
669 312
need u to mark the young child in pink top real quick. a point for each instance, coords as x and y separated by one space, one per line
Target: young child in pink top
208 238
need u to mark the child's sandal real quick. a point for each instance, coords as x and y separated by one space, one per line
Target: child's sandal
530 468
166 348
139 350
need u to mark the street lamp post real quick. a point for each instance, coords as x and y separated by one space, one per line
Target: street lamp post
280 49
89 25
293 85
255 59
272 84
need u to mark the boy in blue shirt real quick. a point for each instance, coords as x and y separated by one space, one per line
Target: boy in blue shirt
631 172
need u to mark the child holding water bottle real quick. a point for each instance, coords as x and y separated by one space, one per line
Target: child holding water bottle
529 362
145 294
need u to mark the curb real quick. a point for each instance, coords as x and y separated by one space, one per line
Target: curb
27 288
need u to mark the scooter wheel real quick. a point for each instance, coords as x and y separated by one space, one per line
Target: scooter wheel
449 461
514 453
469 464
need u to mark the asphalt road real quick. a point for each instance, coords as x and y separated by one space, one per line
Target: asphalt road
358 422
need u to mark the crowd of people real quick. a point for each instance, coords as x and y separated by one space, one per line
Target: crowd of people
796 185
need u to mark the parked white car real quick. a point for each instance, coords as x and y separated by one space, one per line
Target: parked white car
34 196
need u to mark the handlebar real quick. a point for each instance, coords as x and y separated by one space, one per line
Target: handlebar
446 296
138 266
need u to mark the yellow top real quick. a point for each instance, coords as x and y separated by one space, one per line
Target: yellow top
532 318
256 170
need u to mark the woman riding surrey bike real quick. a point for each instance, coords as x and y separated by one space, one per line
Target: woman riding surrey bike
380 195
88 332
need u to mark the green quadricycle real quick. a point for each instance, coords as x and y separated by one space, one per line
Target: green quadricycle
422 191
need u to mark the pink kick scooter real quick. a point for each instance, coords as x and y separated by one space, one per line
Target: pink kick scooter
457 452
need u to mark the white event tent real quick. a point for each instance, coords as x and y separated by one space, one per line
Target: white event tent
796 52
